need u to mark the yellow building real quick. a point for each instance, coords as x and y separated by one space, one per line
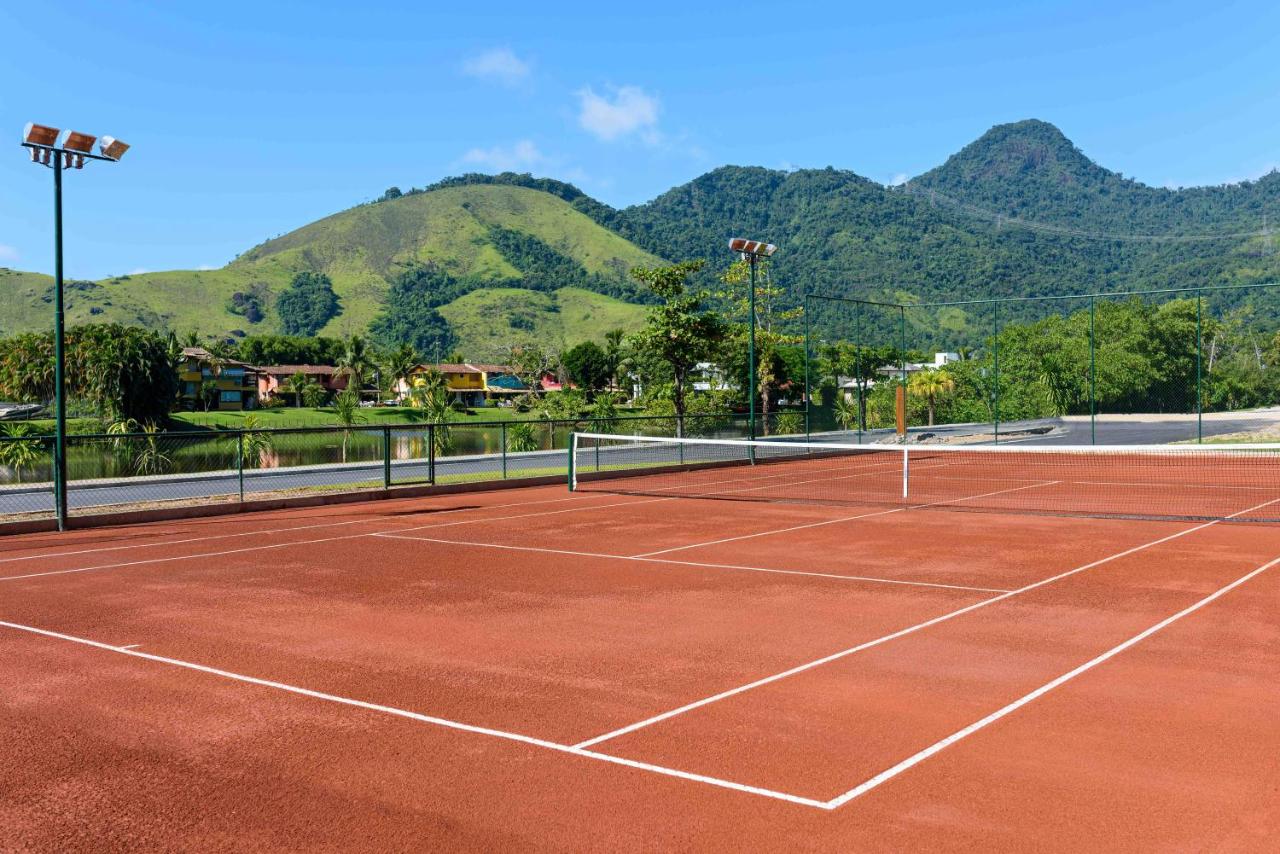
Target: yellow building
215 384
472 384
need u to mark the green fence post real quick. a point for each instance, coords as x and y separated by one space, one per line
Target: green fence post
808 391
431 454
858 416
240 463
504 450
995 388
386 457
1093 393
1199 389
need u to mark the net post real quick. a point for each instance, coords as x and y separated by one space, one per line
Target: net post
906 467
573 455
240 462
1199 390
504 450
901 397
386 457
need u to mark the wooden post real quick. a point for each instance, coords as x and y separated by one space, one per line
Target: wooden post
900 405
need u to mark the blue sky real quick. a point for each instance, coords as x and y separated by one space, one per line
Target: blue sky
251 119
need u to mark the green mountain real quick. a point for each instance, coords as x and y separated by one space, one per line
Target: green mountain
1019 212
484 235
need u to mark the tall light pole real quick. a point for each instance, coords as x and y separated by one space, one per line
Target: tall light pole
75 149
751 251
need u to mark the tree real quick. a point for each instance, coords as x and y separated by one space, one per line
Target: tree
530 363
123 371
296 385
678 331
862 365
409 315
346 407
613 355
398 367
21 448
931 385
357 361
771 317
430 394
587 366
307 304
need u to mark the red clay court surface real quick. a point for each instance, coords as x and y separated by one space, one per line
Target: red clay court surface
537 670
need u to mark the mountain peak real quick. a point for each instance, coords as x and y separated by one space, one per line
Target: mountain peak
1030 150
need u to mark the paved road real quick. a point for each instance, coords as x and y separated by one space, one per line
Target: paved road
99 494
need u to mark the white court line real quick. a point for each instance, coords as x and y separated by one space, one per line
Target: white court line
942 744
225 552
862 578
835 656
427 719
844 519
272 531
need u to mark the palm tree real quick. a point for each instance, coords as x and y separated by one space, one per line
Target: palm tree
357 361
431 395
255 446
399 366
346 406
931 385
296 385
20 449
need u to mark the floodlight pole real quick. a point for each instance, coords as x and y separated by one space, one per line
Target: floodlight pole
751 352
59 358
57 158
751 252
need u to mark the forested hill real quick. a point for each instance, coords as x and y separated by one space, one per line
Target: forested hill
1019 212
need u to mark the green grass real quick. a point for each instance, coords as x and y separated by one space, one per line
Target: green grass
326 417
489 320
361 249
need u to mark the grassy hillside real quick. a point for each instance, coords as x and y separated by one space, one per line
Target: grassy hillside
491 319
360 250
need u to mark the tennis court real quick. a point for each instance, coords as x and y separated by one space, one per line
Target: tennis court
706 644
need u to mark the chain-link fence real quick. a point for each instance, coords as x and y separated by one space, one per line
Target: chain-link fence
1131 368
855 353
137 471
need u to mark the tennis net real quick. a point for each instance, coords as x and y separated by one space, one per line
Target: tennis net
1191 482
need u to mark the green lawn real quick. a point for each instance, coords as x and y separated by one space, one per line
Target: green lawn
325 416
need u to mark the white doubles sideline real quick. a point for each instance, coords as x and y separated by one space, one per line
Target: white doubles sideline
800 668
416 716
579 750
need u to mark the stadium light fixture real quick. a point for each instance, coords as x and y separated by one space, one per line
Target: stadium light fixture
76 148
752 251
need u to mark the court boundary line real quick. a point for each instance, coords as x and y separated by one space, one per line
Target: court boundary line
983 723
266 546
267 531
835 656
846 519
870 579
444 723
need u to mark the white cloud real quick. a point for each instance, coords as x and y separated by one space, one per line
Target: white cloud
523 155
499 64
630 111
137 272
899 179
206 267
8 253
